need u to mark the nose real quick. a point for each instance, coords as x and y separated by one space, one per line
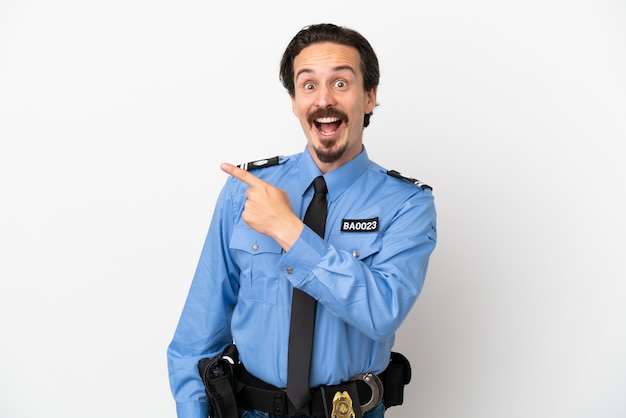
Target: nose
325 97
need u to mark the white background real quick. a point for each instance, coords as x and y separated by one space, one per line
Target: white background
115 115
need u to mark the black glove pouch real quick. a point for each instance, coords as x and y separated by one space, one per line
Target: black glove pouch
395 378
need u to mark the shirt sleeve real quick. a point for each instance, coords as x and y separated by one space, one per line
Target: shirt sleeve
374 294
203 329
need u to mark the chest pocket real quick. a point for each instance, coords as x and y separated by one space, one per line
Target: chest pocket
257 257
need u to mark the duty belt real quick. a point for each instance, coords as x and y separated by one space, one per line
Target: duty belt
229 386
254 394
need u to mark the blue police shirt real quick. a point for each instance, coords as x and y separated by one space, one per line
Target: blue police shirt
366 274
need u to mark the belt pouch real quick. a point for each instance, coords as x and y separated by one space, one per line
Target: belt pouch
333 399
217 376
395 377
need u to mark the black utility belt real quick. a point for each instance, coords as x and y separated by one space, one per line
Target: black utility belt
229 387
324 399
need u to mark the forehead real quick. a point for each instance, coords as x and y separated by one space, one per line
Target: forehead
327 56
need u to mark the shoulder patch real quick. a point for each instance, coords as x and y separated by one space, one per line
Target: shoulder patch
420 184
267 162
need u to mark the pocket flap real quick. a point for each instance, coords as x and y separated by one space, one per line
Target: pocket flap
253 242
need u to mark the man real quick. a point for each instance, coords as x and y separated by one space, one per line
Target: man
364 270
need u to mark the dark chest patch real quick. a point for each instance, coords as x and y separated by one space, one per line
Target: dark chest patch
359 225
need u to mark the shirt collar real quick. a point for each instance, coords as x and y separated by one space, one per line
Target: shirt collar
337 180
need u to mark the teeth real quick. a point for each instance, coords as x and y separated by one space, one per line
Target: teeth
326 120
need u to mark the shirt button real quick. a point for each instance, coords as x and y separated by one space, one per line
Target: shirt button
255 246
356 254
289 270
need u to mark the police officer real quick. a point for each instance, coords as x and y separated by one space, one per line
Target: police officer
365 274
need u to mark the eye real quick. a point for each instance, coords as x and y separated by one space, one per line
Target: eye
308 86
341 84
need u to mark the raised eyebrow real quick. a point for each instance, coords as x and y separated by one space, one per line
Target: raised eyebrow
303 71
344 67
335 69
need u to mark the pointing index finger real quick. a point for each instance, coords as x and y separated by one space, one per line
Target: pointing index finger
242 175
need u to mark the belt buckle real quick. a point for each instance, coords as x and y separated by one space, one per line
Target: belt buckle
376 385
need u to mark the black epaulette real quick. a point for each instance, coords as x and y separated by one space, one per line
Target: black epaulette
268 162
422 185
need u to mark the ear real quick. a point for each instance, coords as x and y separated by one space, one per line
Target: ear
293 104
370 100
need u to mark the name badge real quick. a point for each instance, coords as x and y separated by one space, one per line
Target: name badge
359 225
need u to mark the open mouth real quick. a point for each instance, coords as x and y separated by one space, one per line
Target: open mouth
327 126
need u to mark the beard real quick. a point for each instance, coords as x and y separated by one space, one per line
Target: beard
330 154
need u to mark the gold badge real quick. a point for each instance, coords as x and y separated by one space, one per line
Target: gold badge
342 406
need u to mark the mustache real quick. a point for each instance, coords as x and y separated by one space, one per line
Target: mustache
329 112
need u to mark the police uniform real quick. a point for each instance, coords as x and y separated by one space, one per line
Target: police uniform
366 275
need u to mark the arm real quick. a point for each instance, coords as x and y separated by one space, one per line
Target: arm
375 293
204 326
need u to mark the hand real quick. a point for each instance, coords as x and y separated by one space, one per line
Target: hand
267 209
